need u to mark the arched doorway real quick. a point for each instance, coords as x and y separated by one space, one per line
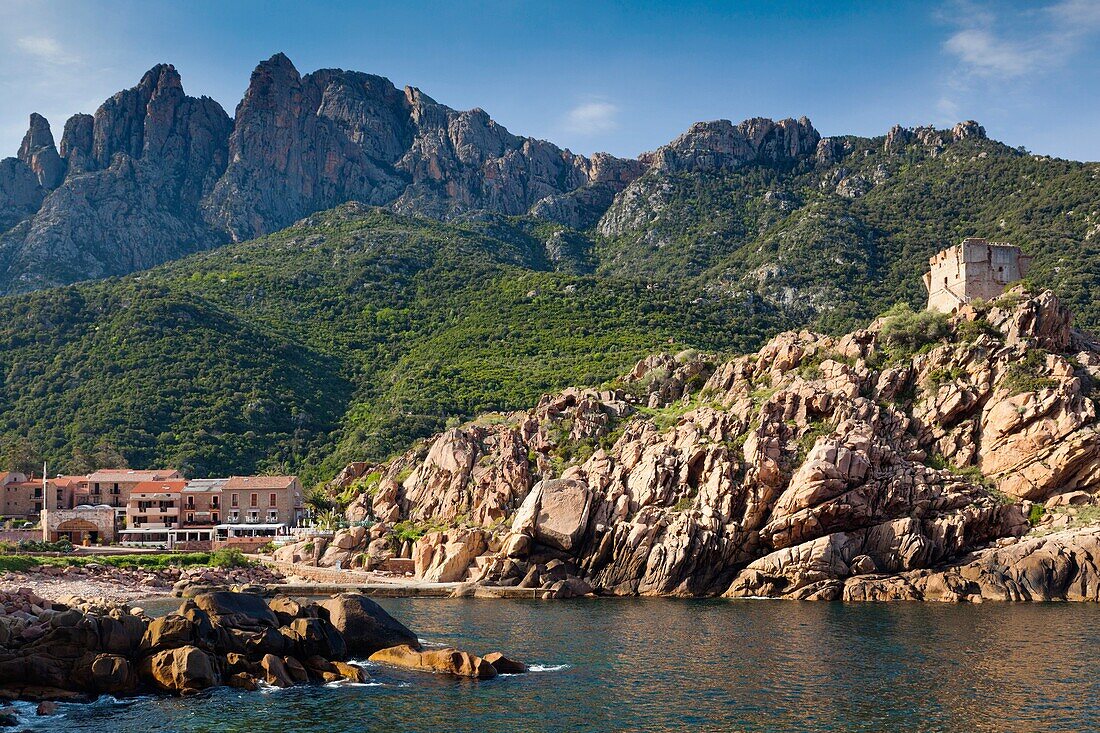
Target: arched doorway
77 531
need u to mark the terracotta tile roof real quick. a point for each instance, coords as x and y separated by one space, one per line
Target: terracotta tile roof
172 486
119 475
245 483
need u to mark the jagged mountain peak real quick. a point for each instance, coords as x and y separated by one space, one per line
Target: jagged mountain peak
39 153
303 143
38 135
161 76
719 144
190 176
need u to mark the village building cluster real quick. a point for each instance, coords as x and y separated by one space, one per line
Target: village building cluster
155 508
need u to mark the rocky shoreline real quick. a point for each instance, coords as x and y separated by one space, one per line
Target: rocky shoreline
125 585
925 457
76 651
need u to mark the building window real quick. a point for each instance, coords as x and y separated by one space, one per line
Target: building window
190 502
273 500
235 500
273 516
190 518
214 517
214 502
254 500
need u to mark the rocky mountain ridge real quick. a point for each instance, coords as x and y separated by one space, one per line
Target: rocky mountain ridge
156 174
922 458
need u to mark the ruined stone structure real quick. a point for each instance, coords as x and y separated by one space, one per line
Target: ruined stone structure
977 268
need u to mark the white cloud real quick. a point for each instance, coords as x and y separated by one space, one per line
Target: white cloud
998 54
999 46
948 110
984 53
592 118
45 49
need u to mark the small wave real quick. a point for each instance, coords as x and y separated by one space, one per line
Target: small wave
110 700
547 667
347 683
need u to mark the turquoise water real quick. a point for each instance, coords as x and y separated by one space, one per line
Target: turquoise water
670 665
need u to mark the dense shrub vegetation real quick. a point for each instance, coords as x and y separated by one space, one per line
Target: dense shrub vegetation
357 331
229 558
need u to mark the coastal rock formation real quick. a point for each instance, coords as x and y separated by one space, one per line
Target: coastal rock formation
438 661
51 650
366 627
185 670
443 557
909 454
1062 566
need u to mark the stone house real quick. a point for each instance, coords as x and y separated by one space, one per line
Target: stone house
263 499
158 507
22 496
976 268
112 486
200 512
152 509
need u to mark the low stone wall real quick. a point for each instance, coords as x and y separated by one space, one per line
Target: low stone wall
18 535
319 575
244 544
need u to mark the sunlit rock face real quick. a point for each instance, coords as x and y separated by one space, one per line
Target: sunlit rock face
819 467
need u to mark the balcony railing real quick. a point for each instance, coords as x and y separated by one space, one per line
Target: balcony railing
172 511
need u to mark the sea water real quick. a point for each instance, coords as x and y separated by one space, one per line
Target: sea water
674 665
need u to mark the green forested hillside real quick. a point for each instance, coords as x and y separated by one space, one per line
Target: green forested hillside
836 242
356 331
345 336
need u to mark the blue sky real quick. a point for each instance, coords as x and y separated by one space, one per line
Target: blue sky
621 77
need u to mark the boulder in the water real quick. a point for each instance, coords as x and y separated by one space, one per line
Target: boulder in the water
439 661
365 626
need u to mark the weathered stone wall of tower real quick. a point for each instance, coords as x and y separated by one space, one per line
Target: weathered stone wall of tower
976 268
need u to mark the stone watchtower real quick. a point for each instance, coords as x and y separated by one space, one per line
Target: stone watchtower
974 269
